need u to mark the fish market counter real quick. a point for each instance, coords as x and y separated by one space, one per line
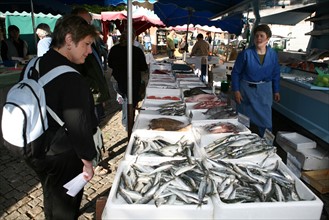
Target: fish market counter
181 162
306 105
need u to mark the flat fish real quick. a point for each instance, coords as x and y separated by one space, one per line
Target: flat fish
168 124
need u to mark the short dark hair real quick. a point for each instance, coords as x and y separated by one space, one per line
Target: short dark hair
45 27
74 25
13 28
265 28
199 36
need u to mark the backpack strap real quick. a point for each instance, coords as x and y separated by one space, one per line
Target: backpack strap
52 74
29 67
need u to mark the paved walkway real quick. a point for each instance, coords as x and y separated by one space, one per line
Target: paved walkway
21 194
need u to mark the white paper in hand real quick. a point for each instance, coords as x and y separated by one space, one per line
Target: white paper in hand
75 185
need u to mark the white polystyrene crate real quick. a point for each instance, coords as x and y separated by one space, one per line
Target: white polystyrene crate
296 140
198 114
309 208
153 104
162 80
191 84
171 137
203 138
163 92
143 120
117 208
160 66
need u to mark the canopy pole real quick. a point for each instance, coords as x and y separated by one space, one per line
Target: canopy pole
130 106
33 25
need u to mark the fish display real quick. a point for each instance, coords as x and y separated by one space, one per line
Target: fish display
237 146
159 146
173 108
194 91
201 97
168 124
221 127
177 182
174 182
221 112
209 104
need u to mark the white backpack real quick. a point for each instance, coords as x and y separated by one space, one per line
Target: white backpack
24 117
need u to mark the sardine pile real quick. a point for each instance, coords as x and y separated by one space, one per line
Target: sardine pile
178 182
173 183
158 146
238 145
242 183
173 108
221 112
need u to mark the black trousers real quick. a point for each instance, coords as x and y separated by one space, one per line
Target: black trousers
54 172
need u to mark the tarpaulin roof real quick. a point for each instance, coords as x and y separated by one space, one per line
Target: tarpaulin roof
173 15
39 6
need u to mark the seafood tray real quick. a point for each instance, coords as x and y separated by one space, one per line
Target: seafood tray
190 84
199 114
200 130
160 66
308 207
117 208
153 104
143 145
163 92
143 121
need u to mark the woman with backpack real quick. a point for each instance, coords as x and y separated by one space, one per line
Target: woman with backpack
69 149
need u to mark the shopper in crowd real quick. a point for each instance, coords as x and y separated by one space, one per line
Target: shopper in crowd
147 41
255 80
201 47
93 71
170 44
208 37
14 46
71 149
44 34
117 60
201 51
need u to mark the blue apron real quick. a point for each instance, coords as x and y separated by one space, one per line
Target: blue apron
257 103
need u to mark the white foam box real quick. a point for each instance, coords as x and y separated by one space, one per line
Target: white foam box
171 137
117 208
154 104
202 137
190 84
163 92
160 66
143 120
305 159
296 140
309 208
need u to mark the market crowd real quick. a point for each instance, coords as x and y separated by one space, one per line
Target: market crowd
79 99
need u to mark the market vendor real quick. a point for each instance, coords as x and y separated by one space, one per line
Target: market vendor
14 46
255 80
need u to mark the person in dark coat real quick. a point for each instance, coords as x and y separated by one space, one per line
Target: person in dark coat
71 150
117 60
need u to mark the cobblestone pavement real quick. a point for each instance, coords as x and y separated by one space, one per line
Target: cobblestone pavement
20 191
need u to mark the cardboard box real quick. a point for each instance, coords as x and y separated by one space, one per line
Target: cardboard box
319 179
310 207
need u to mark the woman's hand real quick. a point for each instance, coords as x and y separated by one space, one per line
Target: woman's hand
88 170
238 97
277 97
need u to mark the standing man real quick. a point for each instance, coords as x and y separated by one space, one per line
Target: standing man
93 71
201 50
170 44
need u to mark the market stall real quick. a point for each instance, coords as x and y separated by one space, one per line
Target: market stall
189 157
